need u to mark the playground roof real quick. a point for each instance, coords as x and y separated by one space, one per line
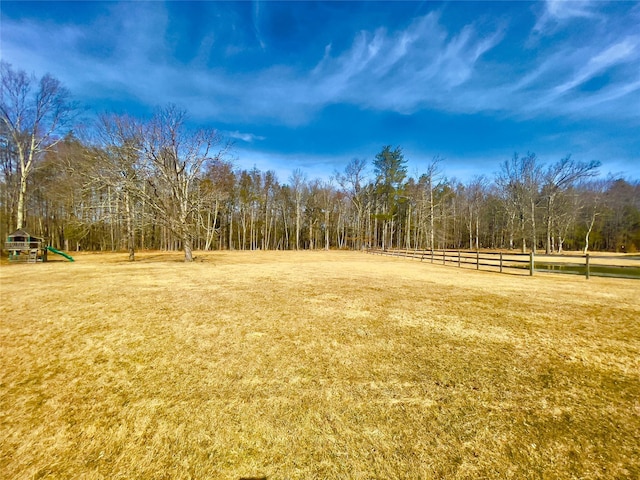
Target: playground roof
20 233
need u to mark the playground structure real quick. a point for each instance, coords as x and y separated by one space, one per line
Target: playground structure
27 248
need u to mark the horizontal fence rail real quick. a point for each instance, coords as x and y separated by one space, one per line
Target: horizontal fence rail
525 263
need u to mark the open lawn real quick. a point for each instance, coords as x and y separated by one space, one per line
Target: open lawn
314 365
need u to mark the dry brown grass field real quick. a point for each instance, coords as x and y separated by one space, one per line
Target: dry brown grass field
314 365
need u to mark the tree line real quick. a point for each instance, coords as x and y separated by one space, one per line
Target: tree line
157 183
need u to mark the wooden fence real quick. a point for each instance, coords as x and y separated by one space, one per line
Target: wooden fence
526 263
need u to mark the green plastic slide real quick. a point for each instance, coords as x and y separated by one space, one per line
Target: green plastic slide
68 257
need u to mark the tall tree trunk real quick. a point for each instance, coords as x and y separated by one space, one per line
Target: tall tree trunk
297 225
548 248
477 231
375 229
211 228
130 233
142 229
22 195
586 237
186 245
533 227
431 213
265 233
326 229
230 229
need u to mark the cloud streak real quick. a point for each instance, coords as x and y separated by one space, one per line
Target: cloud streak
558 12
400 71
612 55
245 137
423 65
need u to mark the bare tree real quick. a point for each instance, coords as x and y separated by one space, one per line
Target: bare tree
594 204
121 167
60 198
32 112
431 177
8 184
269 188
475 196
352 183
298 186
176 159
520 179
557 179
217 188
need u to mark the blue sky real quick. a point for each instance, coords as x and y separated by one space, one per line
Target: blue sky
312 85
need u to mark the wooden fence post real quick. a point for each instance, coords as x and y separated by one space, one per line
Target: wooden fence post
431 254
444 258
531 263
587 265
458 258
477 260
500 262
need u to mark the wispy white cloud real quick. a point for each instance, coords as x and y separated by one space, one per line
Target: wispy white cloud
612 55
245 137
256 24
563 9
424 65
402 70
554 86
557 12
